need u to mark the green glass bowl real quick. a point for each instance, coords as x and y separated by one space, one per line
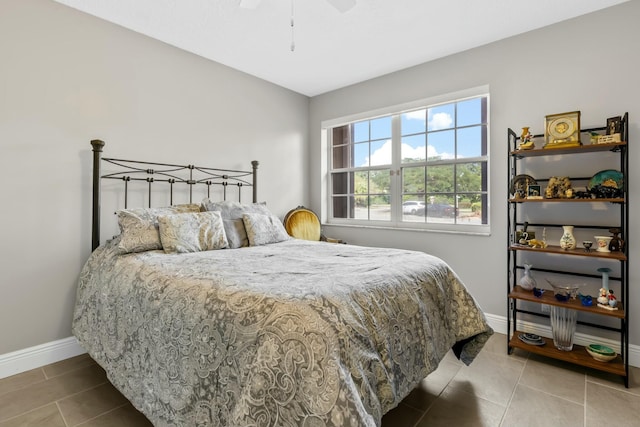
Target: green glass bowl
601 349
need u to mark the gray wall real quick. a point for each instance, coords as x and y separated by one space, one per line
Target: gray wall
67 78
588 64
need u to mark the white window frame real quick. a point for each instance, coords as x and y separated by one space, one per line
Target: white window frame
396 184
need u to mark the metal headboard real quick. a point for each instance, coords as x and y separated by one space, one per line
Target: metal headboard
152 173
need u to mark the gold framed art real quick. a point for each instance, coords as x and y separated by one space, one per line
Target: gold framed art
562 130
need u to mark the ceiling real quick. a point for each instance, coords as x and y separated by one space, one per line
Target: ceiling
332 49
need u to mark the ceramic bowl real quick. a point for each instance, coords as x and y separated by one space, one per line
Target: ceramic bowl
601 349
601 357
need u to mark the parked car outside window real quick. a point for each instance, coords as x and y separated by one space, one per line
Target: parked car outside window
441 210
413 207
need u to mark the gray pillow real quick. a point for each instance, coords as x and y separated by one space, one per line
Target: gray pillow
139 227
192 232
264 229
231 213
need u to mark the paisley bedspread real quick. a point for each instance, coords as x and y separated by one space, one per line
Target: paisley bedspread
290 334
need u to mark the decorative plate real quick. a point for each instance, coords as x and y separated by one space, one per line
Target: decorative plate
520 183
524 339
607 178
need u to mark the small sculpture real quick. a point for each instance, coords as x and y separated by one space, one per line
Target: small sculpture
603 298
559 187
526 140
535 243
564 188
612 299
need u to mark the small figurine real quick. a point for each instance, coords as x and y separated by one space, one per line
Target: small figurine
603 298
550 191
535 243
612 299
564 190
526 140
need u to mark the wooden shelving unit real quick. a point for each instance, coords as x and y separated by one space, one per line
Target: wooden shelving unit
578 355
517 254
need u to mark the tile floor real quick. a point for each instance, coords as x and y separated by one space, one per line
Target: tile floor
496 390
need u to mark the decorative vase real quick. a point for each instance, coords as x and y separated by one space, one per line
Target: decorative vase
567 241
616 244
605 277
527 282
563 327
603 243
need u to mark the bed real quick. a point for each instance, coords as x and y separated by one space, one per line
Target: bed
282 332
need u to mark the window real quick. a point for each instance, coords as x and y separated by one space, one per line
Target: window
420 167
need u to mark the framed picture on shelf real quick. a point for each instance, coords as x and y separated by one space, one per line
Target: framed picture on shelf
533 192
614 125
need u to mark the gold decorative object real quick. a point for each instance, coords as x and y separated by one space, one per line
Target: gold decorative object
562 130
526 140
559 188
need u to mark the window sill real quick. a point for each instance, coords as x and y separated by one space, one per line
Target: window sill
484 230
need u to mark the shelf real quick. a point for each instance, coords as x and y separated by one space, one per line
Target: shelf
578 355
521 211
590 148
616 256
549 299
610 200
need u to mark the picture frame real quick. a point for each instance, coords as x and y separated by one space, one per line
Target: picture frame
533 192
614 125
562 130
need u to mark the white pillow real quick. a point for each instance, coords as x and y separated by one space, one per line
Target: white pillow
139 227
192 232
263 229
232 216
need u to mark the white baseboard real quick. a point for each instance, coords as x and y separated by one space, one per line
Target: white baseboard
55 351
39 355
499 324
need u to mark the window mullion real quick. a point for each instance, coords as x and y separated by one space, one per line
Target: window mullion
396 169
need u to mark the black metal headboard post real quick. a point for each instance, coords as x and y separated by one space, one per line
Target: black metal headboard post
254 167
95 222
132 170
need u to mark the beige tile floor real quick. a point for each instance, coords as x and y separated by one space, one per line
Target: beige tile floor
496 390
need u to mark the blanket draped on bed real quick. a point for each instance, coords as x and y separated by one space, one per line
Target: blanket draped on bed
290 334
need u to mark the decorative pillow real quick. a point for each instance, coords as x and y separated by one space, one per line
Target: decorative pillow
139 227
264 229
231 213
192 232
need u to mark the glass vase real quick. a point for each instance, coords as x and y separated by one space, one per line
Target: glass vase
563 327
567 241
527 282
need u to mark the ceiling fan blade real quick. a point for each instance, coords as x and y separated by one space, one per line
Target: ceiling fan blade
342 5
249 4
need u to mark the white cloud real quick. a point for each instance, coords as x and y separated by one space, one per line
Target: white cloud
440 121
415 115
382 156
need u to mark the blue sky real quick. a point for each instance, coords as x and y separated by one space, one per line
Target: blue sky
438 121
